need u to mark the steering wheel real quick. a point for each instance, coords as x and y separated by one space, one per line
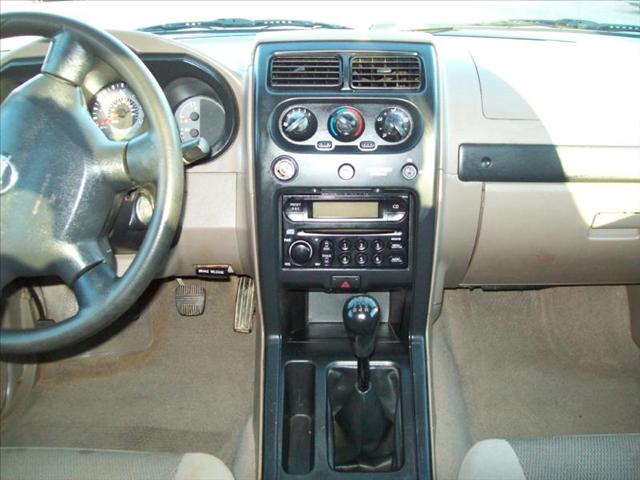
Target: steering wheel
62 181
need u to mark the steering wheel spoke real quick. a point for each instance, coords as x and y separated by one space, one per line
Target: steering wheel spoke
142 158
77 259
94 284
67 59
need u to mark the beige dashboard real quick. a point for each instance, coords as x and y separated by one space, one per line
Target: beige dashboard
566 90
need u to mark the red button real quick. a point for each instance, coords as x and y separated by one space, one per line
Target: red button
345 282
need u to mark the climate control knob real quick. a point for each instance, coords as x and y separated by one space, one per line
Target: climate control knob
393 124
299 124
300 252
346 124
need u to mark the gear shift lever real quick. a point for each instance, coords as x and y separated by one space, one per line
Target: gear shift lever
361 315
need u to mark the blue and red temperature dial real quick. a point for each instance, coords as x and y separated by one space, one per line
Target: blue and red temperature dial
346 124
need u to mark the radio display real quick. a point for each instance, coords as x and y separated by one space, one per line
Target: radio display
345 210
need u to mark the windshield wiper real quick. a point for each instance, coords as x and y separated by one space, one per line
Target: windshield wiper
239 25
562 24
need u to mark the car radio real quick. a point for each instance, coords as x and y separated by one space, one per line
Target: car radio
347 229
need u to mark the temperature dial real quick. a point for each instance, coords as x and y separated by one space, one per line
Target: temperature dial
346 124
393 124
299 124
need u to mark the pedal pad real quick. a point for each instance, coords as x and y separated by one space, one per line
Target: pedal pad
190 299
245 305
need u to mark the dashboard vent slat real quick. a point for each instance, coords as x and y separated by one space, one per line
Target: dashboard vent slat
386 72
312 71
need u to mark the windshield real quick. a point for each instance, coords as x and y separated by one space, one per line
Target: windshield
394 15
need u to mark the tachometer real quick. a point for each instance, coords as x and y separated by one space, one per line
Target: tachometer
117 111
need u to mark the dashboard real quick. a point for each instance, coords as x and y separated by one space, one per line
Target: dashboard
527 156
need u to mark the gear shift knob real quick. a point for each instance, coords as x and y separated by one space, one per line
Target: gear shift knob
361 315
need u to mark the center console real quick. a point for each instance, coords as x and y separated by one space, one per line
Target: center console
345 161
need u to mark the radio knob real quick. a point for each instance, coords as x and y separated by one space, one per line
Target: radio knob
300 252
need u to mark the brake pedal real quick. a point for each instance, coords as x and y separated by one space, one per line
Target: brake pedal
245 305
190 299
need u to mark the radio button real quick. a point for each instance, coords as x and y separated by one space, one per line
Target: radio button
361 245
396 260
361 259
295 211
396 210
344 259
377 259
326 245
327 259
378 245
344 245
396 246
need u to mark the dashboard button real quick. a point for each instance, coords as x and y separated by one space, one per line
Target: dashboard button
378 245
344 259
409 171
326 245
396 260
377 259
324 145
327 259
361 245
396 246
367 145
361 259
346 171
345 283
344 245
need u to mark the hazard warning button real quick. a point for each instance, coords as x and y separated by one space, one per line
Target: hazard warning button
343 283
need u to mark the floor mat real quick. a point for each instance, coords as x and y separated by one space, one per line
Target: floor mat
559 361
192 391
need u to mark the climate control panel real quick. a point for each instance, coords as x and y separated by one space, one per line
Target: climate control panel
359 126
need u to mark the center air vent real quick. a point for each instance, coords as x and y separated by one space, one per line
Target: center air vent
306 71
386 71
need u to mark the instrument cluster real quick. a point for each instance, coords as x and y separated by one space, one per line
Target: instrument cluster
116 110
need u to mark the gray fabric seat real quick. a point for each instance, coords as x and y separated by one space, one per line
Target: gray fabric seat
18 463
588 457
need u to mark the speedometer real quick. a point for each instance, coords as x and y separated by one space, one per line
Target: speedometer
117 111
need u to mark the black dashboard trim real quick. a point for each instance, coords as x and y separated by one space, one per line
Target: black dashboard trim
479 162
509 163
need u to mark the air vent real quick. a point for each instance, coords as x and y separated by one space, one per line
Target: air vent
306 71
386 71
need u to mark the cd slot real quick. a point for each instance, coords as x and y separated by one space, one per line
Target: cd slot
348 231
